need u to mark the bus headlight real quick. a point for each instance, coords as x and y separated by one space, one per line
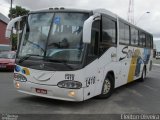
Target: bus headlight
17 85
19 77
70 84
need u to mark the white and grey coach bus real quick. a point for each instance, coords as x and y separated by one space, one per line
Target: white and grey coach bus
74 55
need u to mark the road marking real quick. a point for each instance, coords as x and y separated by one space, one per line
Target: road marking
156 64
151 88
136 92
155 71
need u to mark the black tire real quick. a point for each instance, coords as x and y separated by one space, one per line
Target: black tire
143 75
107 88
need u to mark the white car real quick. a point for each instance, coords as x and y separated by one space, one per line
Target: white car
158 55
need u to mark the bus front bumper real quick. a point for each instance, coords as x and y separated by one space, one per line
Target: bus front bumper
46 91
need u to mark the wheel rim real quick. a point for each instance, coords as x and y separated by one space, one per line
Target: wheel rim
107 86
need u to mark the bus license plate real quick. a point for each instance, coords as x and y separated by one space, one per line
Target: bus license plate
41 91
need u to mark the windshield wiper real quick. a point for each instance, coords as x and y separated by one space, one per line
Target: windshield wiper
27 56
64 62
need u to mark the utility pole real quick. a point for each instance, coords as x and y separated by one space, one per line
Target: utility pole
11 9
12 28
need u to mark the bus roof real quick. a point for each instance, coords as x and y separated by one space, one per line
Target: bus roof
61 10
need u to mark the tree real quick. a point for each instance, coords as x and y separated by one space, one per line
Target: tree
16 12
14 41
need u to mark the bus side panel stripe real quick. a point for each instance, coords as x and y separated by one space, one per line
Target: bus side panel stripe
132 69
133 65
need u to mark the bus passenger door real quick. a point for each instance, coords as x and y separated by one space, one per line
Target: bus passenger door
92 68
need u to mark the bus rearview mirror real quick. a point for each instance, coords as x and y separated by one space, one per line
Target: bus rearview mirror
87 27
10 26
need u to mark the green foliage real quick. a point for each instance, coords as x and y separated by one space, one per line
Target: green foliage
17 11
14 41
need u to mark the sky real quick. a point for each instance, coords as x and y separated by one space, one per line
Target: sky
147 21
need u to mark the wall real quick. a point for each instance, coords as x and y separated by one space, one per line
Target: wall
3 40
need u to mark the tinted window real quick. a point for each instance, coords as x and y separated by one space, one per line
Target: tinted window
93 48
142 40
148 41
108 30
123 33
134 36
50 34
151 41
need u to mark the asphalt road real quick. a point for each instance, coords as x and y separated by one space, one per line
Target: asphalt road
137 97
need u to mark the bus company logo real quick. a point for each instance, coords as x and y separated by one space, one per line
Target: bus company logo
22 70
130 53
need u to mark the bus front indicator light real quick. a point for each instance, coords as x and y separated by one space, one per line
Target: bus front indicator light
71 93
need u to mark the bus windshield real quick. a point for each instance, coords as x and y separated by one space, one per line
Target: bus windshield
54 36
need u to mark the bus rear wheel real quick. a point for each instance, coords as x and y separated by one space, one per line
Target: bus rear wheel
108 87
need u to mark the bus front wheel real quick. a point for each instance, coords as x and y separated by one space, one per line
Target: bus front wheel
108 87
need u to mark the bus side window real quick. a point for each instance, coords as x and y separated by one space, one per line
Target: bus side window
93 46
108 31
142 40
124 33
148 41
134 36
151 41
